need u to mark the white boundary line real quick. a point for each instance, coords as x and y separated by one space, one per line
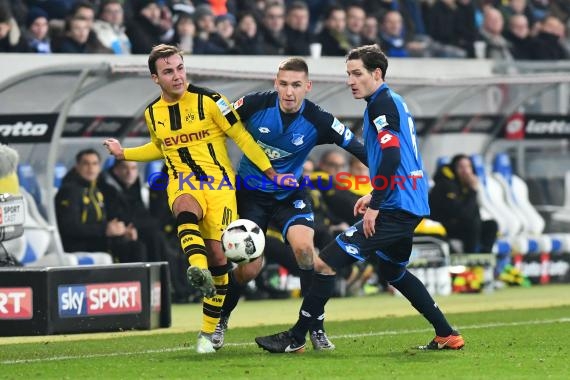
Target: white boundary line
344 336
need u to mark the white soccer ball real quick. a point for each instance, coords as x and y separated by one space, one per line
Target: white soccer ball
243 241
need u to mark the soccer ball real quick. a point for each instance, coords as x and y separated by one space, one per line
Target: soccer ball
243 241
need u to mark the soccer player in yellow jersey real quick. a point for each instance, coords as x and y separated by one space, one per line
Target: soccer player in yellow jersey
188 127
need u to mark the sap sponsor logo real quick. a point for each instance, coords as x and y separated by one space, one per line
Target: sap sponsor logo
99 299
24 129
224 107
272 152
16 303
552 127
155 296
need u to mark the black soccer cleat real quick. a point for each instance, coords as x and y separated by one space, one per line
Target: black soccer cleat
283 342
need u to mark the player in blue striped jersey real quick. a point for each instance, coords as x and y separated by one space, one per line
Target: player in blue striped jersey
287 127
391 212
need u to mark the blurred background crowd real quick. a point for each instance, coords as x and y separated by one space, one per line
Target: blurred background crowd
496 29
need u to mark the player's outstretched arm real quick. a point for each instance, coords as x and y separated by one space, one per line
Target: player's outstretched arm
144 153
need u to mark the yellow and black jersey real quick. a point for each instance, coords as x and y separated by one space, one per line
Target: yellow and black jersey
190 135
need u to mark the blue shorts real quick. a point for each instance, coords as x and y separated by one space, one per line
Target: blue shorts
263 208
391 242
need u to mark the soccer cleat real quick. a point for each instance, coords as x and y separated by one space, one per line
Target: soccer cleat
202 280
218 335
321 341
283 342
451 342
204 344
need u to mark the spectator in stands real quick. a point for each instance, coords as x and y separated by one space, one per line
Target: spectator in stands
491 32
82 215
56 9
453 203
333 37
355 18
370 32
74 40
452 22
121 189
412 18
274 39
184 30
110 28
145 29
518 34
517 7
549 42
297 29
205 30
38 31
223 38
86 10
11 37
247 37
394 40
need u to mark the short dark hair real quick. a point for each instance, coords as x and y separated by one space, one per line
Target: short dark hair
85 152
161 51
372 57
294 64
455 160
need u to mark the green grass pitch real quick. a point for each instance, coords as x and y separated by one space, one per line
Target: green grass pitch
510 334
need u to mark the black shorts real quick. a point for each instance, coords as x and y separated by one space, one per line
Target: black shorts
263 208
391 242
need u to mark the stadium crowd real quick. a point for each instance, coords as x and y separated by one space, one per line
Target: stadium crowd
496 29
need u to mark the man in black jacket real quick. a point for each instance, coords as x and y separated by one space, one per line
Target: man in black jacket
453 203
82 215
121 188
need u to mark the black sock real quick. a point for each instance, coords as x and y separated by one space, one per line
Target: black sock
306 280
421 300
313 305
233 295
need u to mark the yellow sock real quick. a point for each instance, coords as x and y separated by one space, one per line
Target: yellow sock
212 307
193 245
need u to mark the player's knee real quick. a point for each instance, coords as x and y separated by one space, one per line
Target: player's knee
304 253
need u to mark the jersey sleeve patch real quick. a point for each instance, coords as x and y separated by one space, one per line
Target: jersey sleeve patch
388 140
380 122
338 127
238 103
223 106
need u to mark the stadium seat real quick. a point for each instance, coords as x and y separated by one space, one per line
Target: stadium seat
563 215
58 173
39 248
150 168
442 160
108 164
516 196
